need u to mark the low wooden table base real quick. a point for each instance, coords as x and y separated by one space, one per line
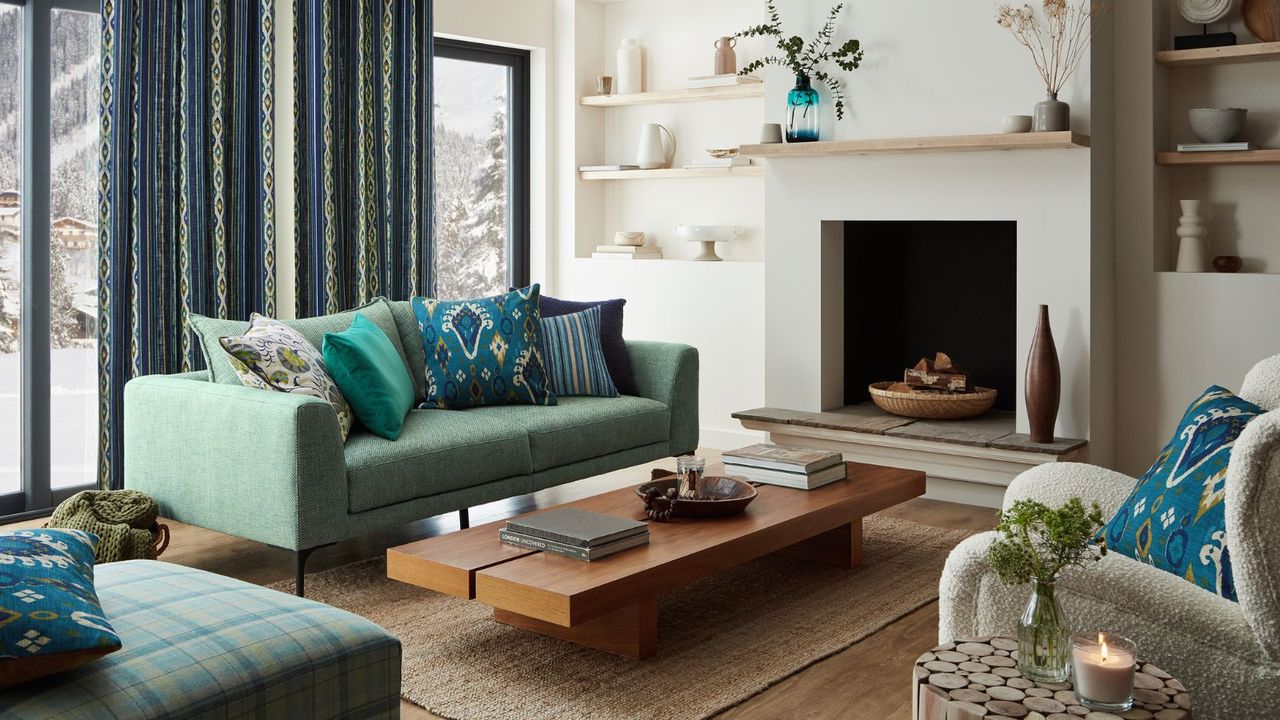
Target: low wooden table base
612 604
978 679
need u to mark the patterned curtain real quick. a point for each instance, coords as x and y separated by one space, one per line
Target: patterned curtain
362 107
187 189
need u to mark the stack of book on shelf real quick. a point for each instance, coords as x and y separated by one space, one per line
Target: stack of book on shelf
791 467
628 252
729 162
1215 147
574 533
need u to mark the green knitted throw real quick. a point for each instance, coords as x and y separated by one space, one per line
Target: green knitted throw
123 520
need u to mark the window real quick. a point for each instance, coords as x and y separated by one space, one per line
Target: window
49 97
481 168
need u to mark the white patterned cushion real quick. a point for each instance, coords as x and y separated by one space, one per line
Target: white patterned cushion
273 356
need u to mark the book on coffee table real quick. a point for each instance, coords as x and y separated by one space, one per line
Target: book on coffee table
785 459
577 528
796 480
578 553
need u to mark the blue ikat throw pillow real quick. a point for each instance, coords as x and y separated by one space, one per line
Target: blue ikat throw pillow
50 618
484 351
1175 518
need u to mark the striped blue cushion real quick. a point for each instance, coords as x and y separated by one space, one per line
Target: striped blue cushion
575 360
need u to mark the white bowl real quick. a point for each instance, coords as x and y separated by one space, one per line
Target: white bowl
1016 124
708 233
1217 125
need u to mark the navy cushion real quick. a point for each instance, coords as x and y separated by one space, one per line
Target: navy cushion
611 342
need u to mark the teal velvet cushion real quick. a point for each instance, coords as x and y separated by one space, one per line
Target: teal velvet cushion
273 356
574 355
1175 519
368 370
484 351
50 617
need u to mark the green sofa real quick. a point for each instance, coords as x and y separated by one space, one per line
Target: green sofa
272 467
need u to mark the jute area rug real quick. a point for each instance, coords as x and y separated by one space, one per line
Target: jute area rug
722 640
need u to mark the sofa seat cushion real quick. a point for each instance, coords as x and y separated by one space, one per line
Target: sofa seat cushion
580 428
198 644
438 451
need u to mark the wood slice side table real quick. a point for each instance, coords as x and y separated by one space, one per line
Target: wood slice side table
978 679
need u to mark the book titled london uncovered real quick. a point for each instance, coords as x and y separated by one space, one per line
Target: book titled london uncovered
577 528
578 553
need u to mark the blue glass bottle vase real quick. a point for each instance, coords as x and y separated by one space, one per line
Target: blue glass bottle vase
802 112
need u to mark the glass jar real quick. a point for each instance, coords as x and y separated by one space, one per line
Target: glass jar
1044 640
802 111
689 471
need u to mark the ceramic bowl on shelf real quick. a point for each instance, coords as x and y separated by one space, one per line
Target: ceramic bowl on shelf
1217 125
1016 124
708 235
722 153
631 238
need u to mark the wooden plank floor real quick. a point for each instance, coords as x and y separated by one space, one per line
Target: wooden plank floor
868 680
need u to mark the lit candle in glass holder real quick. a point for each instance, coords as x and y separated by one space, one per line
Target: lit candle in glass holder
1104 666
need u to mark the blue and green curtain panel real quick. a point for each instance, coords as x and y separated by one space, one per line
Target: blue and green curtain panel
186 211
362 94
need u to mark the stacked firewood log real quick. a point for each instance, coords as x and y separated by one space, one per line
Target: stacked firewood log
939 375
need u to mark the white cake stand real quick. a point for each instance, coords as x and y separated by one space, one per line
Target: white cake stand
708 235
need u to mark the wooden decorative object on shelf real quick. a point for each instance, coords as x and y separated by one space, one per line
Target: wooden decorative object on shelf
1262 17
931 405
1043 381
978 678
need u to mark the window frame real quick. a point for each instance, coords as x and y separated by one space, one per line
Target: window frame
36 496
518 114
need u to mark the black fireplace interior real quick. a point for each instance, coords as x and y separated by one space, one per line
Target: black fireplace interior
915 288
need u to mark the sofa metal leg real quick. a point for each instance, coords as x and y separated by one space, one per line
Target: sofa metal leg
300 569
464 518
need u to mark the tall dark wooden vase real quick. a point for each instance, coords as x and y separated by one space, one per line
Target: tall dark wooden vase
1043 383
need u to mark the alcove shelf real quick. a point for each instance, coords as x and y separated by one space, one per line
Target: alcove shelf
1065 140
683 95
673 173
1241 157
1231 54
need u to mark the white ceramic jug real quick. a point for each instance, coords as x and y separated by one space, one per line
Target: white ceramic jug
653 153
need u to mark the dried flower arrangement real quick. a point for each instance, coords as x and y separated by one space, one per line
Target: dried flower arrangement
804 58
1059 42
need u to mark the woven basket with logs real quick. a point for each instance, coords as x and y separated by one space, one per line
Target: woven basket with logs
978 679
934 389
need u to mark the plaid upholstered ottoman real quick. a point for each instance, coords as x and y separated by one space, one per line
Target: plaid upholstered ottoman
200 645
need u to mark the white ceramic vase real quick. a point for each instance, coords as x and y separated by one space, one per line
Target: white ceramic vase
630 62
1191 235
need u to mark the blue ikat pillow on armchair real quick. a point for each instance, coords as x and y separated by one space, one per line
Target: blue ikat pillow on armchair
1175 518
484 351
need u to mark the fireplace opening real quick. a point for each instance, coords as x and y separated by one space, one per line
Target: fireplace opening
916 288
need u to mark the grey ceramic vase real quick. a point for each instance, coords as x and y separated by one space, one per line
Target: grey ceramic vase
1052 115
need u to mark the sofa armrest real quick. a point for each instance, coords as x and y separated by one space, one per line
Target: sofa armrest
1252 511
263 465
1055 483
668 373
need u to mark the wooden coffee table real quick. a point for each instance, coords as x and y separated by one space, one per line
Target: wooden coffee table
612 604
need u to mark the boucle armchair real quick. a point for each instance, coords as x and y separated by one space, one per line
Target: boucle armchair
1228 654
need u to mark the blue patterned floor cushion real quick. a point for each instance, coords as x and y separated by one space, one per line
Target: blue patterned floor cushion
574 355
50 618
484 351
1175 518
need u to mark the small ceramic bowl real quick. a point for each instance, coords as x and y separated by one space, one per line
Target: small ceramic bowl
1217 125
721 153
1017 123
628 238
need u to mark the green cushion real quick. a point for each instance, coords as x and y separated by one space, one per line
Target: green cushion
438 451
579 428
372 376
209 330
411 340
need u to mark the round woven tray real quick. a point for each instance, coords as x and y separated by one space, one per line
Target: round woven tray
932 406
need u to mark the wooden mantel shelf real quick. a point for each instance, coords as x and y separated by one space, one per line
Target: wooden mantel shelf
1243 157
683 95
1231 54
942 144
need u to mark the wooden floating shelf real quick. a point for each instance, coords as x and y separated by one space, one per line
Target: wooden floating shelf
950 143
673 173
1242 157
726 92
1229 55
